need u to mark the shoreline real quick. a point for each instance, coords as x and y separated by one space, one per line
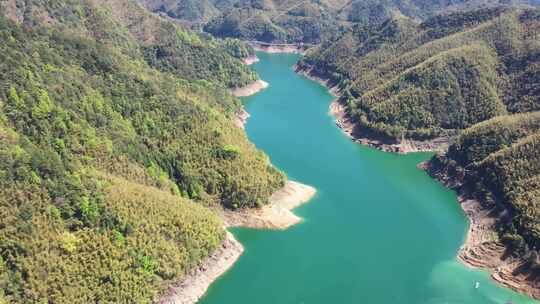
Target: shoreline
195 284
357 135
251 59
276 215
240 118
482 248
405 146
250 89
277 48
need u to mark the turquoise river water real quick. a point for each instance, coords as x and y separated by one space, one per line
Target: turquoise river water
378 231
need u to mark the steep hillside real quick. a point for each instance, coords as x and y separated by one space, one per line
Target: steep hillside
497 162
422 80
109 157
137 32
186 10
377 11
300 21
276 21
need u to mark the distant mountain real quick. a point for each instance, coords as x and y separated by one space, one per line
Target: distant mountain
263 20
307 21
380 10
188 10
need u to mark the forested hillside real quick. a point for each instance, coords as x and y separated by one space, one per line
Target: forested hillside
303 21
498 162
116 135
377 11
422 80
291 21
137 32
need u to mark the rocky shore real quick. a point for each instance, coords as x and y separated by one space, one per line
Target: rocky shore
194 285
250 60
250 89
241 117
482 247
365 137
403 146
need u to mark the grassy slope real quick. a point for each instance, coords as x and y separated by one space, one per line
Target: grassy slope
103 153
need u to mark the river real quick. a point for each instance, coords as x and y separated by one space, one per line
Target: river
379 230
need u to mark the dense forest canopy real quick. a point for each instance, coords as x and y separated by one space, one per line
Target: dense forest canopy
498 162
116 136
421 80
303 21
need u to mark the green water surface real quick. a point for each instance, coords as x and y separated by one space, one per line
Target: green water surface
379 230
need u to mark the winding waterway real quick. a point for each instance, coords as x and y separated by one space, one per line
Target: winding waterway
379 230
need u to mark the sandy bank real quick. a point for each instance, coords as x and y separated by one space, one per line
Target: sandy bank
365 137
482 247
250 89
277 214
194 285
250 60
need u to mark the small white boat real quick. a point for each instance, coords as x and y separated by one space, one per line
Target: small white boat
477 285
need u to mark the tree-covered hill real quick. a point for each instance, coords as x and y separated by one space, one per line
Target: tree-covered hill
422 80
377 11
137 32
111 154
498 162
291 21
304 21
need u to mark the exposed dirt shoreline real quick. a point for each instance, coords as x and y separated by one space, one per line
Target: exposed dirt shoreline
276 215
482 247
250 60
250 89
278 48
364 137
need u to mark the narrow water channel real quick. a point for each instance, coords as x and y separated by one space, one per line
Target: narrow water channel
379 230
